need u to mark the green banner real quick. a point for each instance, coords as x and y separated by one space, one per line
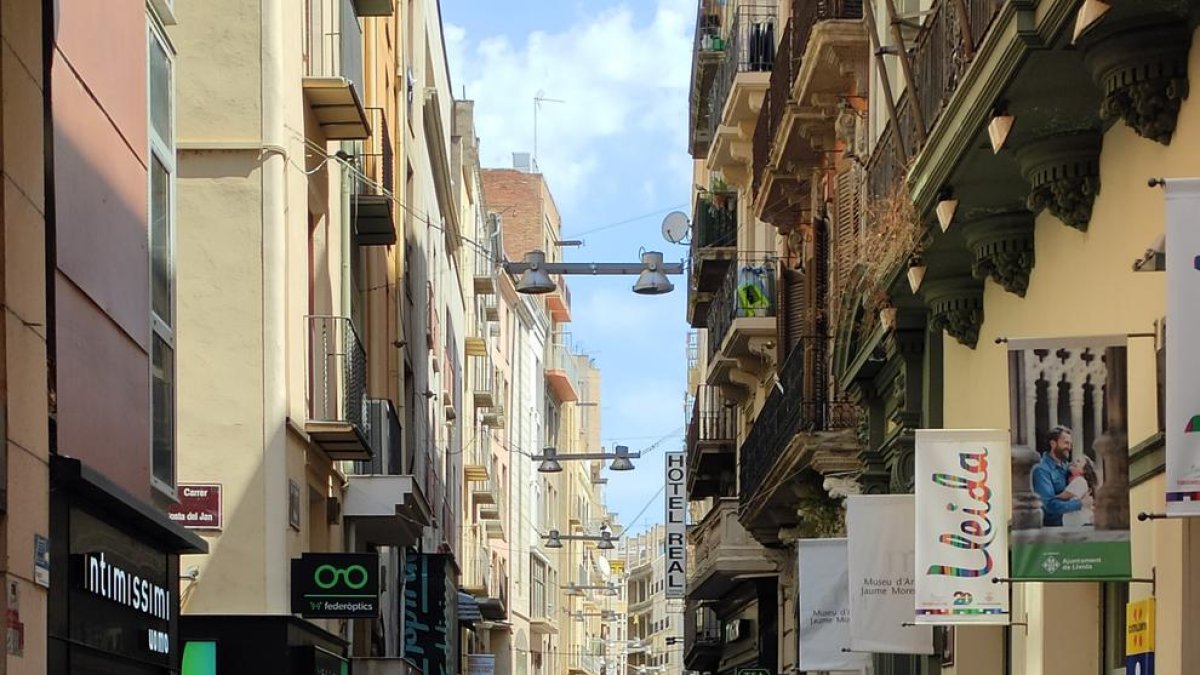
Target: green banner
1083 561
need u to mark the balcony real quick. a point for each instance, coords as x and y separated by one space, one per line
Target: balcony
477 572
491 511
739 87
563 373
799 434
722 552
374 7
484 491
713 248
558 301
337 389
371 212
707 54
711 446
477 462
741 329
483 382
485 266
701 638
491 311
333 73
386 506
818 85
583 663
542 624
495 418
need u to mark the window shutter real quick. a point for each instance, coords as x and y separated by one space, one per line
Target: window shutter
847 223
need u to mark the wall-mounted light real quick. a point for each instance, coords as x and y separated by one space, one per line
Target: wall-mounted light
999 127
1089 15
887 317
652 281
535 272
916 273
620 457
534 280
604 540
945 212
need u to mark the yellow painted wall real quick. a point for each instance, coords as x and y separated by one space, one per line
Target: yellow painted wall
1082 284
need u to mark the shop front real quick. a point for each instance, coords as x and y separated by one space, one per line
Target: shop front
114 578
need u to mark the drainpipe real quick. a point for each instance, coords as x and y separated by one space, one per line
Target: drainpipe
274 289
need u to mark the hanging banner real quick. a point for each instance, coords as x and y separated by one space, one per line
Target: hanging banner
1070 459
881 568
1183 334
962 538
824 607
1139 637
676 525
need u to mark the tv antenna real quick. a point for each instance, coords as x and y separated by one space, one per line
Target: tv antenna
538 99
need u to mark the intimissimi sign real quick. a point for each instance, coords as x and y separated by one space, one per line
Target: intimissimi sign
105 579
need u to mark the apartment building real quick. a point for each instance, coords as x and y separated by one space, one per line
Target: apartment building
653 624
323 329
887 200
90 298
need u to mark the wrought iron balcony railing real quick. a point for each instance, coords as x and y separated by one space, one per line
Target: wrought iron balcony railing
748 291
337 372
787 412
750 48
716 221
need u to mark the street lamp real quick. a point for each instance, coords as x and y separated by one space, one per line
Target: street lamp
604 539
620 457
534 272
578 589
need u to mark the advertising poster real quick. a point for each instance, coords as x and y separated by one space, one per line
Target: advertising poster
882 567
824 607
1183 334
962 540
1070 466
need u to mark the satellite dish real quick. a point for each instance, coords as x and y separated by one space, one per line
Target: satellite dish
675 227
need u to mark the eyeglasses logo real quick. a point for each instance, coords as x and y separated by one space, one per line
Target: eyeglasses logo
353 577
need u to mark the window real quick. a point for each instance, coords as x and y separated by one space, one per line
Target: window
161 114
537 595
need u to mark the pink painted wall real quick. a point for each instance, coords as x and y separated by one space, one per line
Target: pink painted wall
102 284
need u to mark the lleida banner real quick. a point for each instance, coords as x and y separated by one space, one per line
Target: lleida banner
881 569
1183 334
1070 466
824 607
962 539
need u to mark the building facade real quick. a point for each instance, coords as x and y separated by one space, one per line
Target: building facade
886 201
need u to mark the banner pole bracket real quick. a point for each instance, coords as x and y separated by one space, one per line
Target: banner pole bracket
1146 515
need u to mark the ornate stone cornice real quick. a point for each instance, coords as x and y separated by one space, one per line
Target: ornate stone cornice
1142 70
956 306
1064 174
1003 249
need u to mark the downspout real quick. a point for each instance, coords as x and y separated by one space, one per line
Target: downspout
51 230
274 289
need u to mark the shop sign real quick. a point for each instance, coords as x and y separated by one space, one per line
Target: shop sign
430 613
41 561
199 506
676 525
122 597
1139 626
962 542
753 671
481 664
336 585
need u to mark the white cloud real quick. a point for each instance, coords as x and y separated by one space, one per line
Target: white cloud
621 82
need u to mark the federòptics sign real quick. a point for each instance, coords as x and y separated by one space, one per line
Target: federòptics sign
336 585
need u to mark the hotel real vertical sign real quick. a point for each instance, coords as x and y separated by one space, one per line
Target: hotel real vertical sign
1183 358
676 520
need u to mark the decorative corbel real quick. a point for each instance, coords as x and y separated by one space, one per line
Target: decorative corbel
956 306
1064 174
1002 245
1142 70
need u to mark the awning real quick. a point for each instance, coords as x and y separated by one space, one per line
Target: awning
468 609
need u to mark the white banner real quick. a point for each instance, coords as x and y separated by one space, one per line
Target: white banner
824 607
1183 357
882 567
676 524
963 499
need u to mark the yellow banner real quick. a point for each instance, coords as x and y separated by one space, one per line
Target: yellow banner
1139 627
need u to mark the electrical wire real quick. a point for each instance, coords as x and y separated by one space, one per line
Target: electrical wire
627 221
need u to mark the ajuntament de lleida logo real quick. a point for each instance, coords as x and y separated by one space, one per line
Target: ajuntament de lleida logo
1051 564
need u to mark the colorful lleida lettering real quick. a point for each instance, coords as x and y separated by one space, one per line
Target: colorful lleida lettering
976 526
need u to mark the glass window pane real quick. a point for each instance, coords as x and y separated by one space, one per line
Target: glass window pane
160 92
163 411
160 242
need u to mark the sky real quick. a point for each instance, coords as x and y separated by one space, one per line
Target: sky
613 148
